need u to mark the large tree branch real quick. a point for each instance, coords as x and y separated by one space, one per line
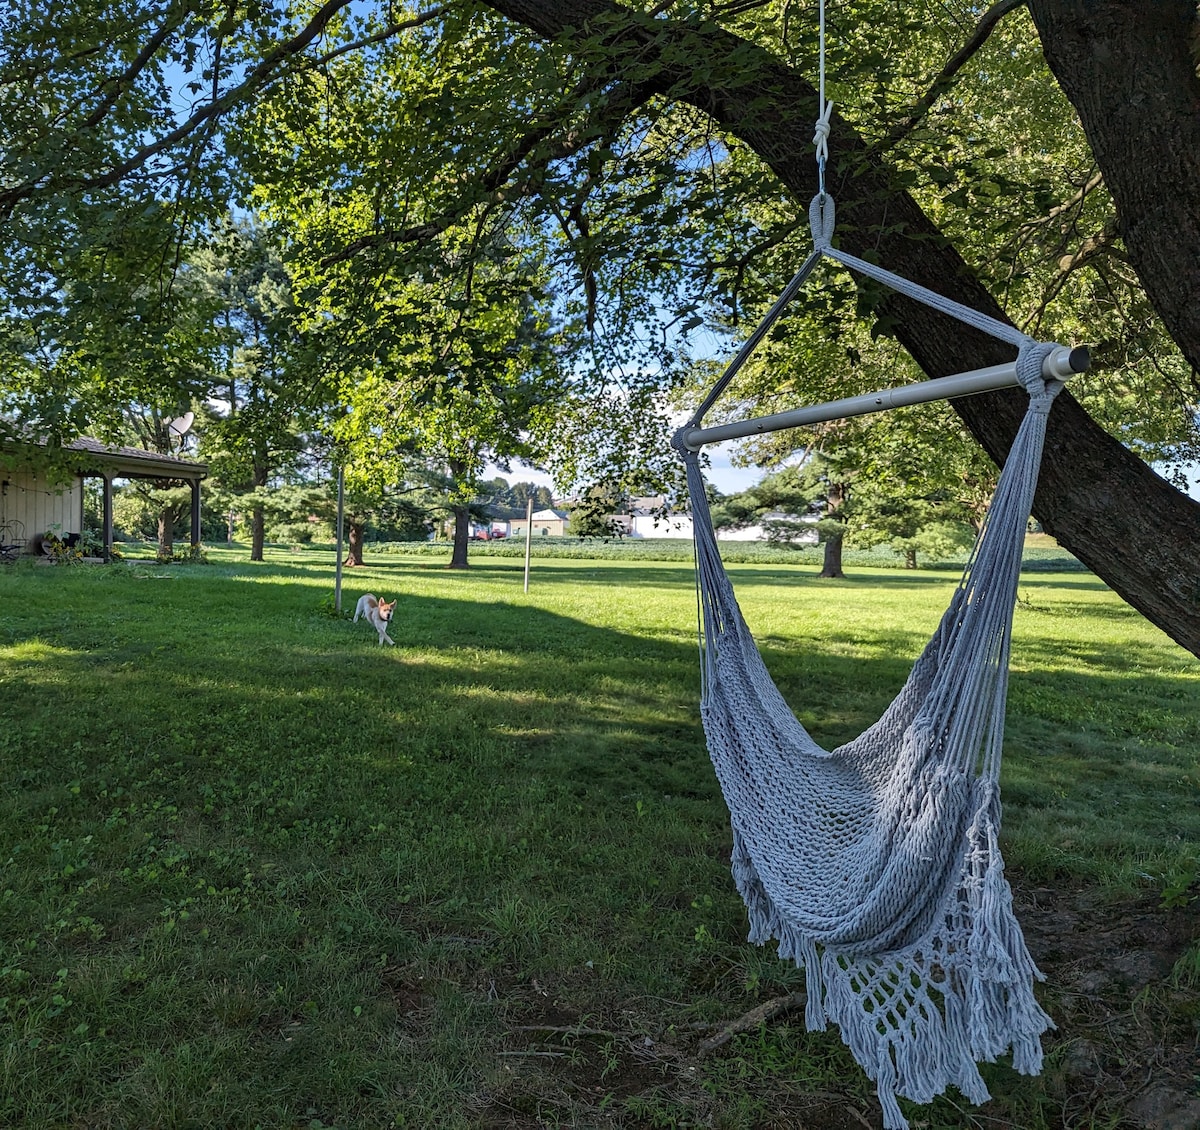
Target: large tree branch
267 68
1102 503
945 79
391 31
532 153
234 96
118 84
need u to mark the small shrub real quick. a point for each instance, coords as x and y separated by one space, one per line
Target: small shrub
328 607
1181 885
91 544
61 552
194 555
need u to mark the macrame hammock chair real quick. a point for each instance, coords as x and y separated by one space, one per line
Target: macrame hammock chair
876 865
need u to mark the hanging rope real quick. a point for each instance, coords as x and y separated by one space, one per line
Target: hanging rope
822 212
825 109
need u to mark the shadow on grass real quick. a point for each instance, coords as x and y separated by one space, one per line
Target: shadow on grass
235 821
514 688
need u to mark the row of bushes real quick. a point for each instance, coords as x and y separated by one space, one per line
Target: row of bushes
1041 559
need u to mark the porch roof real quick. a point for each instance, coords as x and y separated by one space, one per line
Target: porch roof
135 462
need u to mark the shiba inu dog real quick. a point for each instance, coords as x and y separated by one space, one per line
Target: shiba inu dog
378 614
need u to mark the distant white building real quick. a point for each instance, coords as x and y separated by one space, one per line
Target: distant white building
759 533
650 526
680 526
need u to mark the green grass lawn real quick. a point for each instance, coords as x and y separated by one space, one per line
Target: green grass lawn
258 870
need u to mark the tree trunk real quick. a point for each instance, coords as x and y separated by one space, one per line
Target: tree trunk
166 533
257 519
832 564
910 558
257 533
354 542
1127 524
1129 69
462 534
462 518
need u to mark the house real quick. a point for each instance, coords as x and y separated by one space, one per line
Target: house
651 518
545 523
31 503
648 504
660 526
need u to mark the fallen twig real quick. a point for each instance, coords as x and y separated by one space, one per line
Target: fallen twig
751 1020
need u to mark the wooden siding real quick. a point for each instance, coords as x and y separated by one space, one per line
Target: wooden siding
40 507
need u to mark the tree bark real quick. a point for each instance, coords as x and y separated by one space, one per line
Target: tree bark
832 562
258 534
462 532
1130 71
166 532
462 519
1127 524
354 542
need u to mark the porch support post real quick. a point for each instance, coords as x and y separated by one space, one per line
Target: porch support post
195 513
107 518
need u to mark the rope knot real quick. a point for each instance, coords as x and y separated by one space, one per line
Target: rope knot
1030 359
821 132
821 215
679 442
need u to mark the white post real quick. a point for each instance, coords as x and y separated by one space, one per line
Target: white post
528 536
337 583
1060 365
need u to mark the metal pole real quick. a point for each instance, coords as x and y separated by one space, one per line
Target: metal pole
337 582
528 536
1060 365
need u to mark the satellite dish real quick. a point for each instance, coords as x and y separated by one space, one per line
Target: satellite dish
181 425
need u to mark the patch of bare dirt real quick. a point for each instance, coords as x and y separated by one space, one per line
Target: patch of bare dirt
1127 1040
1124 1055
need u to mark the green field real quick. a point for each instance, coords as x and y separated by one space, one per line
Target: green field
258 870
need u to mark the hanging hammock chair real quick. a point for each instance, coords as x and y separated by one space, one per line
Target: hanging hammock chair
876 864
